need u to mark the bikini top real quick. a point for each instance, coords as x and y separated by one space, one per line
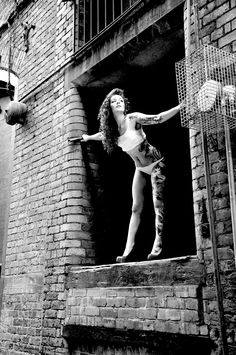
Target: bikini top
131 139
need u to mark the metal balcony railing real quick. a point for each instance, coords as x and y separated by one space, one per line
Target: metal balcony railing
97 15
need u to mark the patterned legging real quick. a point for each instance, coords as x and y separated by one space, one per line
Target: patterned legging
158 179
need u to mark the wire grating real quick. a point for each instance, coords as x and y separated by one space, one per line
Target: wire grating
206 82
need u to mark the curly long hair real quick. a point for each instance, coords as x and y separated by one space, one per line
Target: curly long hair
108 125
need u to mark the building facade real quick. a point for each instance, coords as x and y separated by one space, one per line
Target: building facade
65 205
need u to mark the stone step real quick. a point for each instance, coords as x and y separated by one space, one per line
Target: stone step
182 270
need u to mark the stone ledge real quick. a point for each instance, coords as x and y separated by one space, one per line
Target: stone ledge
176 271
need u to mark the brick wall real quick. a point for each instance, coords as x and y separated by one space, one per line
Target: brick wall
51 216
49 208
40 60
217 22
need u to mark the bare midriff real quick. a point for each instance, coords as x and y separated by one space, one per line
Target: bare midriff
144 154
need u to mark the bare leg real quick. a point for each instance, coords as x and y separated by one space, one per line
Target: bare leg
158 183
139 183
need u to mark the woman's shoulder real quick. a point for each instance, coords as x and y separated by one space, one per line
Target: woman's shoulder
133 115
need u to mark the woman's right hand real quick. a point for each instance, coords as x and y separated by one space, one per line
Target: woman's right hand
91 137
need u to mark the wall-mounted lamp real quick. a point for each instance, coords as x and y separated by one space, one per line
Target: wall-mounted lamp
15 113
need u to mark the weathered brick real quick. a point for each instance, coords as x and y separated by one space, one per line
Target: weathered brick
174 302
189 316
160 325
229 38
145 292
91 311
204 330
135 302
191 303
148 325
191 328
217 12
168 314
181 291
156 301
108 312
116 302
108 322
133 324
100 302
146 313
125 292
217 33
225 17
126 313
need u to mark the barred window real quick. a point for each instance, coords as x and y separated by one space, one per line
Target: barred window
94 16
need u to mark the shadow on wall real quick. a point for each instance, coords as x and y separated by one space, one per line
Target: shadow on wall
95 340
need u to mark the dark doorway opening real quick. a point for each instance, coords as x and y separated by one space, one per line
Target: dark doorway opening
150 89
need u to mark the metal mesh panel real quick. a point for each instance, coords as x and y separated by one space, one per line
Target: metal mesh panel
206 82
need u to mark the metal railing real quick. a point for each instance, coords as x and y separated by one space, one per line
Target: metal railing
94 16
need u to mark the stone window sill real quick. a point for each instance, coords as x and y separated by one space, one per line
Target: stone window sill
182 270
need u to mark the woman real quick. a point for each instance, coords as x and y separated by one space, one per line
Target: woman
119 128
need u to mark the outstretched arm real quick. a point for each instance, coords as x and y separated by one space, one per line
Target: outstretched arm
93 137
145 119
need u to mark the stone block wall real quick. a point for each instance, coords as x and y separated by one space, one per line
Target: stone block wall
141 298
171 309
